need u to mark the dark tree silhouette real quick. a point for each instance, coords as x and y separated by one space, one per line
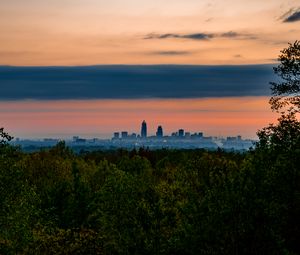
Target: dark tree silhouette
4 137
286 93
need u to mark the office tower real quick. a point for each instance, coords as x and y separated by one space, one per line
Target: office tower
116 135
124 134
180 132
144 129
159 132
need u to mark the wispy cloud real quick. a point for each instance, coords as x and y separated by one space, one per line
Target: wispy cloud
196 36
230 34
292 15
17 53
238 56
235 35
170 53
201 36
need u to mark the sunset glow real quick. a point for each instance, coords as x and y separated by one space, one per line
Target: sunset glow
99 118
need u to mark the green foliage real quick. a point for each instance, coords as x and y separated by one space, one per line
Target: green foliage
65 242
116 213
286 92
284 137
18 201
154 202
279 149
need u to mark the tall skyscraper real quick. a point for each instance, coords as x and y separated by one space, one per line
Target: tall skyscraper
124 134
159 132
180 132
144 129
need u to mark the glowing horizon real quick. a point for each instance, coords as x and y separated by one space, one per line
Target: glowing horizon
100 118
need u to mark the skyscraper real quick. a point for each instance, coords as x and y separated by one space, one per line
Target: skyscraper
144 129
180 132
159 132
124 134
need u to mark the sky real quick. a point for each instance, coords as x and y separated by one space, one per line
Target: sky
92 32
60 56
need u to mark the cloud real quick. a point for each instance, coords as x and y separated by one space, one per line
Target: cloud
230 34
235 35
293 18
17 53
133 82
196 36
170 53
238 56
286 14
292 15
201 36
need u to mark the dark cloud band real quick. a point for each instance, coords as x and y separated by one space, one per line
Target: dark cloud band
116 82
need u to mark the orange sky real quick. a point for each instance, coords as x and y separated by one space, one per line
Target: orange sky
88 32
99 118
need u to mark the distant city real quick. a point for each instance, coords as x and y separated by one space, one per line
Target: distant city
180 139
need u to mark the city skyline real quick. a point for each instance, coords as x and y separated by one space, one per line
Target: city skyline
214 116
158 134
180 139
